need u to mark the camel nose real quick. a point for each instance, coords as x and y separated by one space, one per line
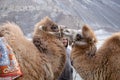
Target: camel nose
78 37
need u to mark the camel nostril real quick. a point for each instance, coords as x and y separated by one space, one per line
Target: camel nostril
78 37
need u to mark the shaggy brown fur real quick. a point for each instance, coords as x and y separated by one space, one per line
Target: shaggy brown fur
103 64
34 65
50 44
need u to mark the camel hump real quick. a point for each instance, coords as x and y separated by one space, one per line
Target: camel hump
114 40
10 28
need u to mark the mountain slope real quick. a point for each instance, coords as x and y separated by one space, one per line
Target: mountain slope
100 14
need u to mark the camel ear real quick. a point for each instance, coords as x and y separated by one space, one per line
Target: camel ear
88 33
42 28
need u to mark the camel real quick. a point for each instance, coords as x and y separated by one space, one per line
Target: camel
92 63
46 38
34 65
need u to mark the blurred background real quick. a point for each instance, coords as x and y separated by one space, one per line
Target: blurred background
101 15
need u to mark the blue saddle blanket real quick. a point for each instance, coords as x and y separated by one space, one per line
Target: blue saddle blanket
4 56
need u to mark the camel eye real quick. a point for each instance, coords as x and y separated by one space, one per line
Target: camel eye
54 27
91 40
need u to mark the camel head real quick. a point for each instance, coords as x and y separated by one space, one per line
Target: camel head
86 37
83 39
47 25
